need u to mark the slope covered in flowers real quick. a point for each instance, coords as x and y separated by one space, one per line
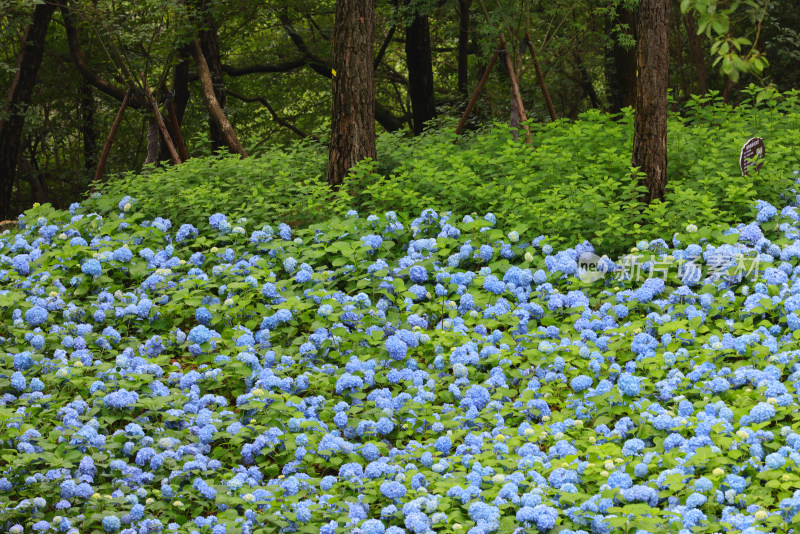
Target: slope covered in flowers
378 375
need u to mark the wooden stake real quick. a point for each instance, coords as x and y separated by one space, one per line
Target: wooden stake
176 160
515 87
101 165
540 77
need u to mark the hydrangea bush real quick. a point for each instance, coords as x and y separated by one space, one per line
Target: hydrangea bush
576 185
385 375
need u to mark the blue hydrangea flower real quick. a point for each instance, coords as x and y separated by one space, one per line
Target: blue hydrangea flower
92 267
392 490
628 384
581 383
111 523
36 316
200 334
396 347
121 399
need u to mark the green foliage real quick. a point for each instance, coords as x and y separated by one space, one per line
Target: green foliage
734 54
576 183
286 185
349 299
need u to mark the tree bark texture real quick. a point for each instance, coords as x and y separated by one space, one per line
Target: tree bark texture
697 52
650 122
88 128
353 118
621 67
420 72
463 47
29 59
210 46
180 83
213 106
153 141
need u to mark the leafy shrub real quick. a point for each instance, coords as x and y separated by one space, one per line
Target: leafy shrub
394 375
577 184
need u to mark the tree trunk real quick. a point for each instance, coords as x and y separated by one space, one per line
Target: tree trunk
180 83
153 141
420 72
697 52
210 47
175 104
29 60
586 80
353 118
650 122
463 48
214 109
513 118
173 153
209 44
174 128
88 127
621 66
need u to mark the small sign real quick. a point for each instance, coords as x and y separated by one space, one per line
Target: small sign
753 148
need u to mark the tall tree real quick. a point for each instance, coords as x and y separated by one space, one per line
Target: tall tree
209 44
650 121
463 48
621 66
420 71
12 122
696 52
353 92
88 110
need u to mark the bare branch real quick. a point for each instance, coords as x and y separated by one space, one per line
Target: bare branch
263 101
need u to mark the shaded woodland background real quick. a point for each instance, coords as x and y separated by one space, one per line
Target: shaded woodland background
270 66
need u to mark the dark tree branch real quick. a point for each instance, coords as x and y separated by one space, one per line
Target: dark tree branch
313 22
384 46
324 67
176 160
263 101
386 118
313 60
101 165
262 68
136 100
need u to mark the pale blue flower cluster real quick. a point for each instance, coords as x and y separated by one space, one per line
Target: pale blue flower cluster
428 366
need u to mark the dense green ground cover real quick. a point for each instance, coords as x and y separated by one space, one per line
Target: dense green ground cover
577 184
385 374
413 371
